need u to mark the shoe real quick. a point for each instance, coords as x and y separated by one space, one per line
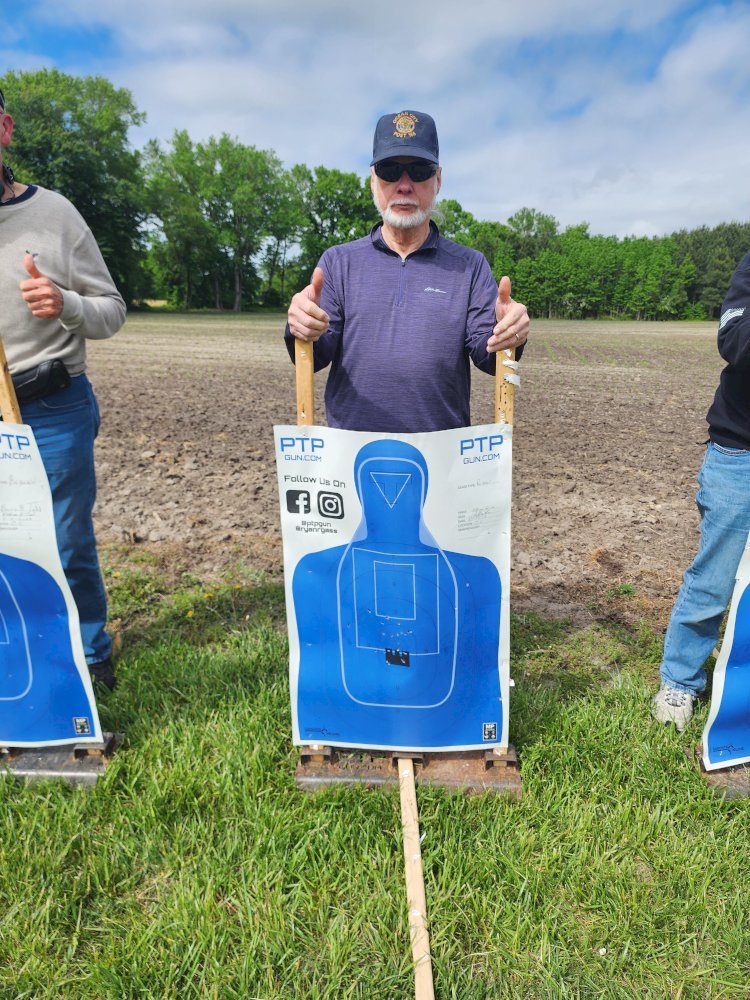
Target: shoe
671 705
103 673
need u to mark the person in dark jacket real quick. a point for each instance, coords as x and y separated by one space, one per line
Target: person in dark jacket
723 500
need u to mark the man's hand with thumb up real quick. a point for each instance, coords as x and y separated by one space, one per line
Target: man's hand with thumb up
40 293
512 320
307 321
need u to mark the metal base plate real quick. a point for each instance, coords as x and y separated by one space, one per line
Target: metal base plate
730 782
472 771
77 763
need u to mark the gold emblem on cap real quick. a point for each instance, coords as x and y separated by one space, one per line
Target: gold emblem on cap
405 122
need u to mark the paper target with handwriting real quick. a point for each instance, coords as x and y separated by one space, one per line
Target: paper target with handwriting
46 697
397 562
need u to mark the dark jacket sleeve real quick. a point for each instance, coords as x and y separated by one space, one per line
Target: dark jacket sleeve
734 325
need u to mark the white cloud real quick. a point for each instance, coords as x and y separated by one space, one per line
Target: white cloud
539 104
644 157
470 22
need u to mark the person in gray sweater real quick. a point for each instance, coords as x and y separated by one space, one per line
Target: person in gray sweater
56 293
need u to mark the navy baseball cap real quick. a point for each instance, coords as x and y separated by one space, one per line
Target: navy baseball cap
407 133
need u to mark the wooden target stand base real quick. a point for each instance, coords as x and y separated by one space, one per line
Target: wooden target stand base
458 770
77 763
729 782
477 771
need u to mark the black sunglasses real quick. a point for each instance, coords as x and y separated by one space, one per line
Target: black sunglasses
418 171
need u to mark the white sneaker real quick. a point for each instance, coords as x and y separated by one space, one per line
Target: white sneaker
671 705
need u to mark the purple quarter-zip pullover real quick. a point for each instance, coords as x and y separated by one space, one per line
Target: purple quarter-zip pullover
402 333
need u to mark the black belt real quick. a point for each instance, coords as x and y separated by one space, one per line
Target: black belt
36 383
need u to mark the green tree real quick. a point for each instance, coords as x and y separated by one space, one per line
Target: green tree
337 207
715 253
504 261
184 253
716 278
285 222
454 222
591 266
736 238
72 136
493 239
653 279
241 185
220 211
531 231
532 283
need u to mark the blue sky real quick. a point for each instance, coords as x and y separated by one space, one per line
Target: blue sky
631 115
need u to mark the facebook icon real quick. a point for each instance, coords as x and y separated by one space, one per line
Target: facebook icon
298 501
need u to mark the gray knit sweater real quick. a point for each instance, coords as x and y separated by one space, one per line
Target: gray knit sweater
47 224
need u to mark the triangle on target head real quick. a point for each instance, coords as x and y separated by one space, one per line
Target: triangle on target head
391 485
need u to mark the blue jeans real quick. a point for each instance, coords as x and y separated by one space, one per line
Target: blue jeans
723 500
65 425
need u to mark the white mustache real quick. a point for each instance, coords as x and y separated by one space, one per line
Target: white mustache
404 201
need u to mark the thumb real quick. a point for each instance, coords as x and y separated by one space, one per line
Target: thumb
503 290
317 281
29 264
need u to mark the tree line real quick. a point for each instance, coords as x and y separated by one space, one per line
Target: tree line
224 225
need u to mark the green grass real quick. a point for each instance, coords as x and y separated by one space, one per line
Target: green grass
196 869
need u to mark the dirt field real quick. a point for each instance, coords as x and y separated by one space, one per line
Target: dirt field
609 437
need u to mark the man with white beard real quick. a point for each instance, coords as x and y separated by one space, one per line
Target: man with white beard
400 313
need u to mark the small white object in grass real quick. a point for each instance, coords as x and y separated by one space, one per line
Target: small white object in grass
602 952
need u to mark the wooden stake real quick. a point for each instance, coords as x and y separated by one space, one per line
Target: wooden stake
9 409
504 391
303 365
415 891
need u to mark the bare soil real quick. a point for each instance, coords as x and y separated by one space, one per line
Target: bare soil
609 436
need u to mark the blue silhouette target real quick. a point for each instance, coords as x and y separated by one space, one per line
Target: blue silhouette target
42 696
399 640
726 740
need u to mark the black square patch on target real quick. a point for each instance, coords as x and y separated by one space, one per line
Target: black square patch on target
489 731
398 657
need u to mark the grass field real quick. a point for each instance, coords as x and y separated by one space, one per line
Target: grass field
196 869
